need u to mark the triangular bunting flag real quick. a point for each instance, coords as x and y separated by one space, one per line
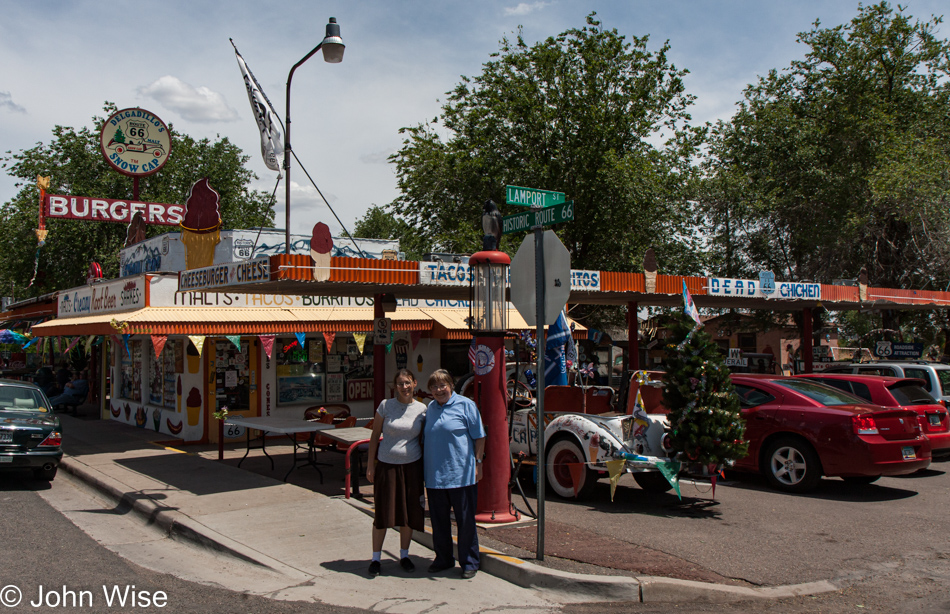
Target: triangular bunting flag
414 336
235 339
32 342
389 346
70 347
125 340
670 470
577 474
300 338
329 337
158 344
267 342
360 339
89 341
614 470
198 341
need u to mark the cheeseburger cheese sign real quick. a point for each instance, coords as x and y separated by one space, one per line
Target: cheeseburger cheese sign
135 143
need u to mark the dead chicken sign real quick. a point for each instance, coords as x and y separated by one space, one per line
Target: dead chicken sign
135 142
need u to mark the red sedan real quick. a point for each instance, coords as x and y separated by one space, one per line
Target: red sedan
897 392
799 430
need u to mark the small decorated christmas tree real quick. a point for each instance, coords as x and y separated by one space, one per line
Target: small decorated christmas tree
119 136
706 427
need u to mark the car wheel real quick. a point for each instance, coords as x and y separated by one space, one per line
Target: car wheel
46 475
861 480
652 481
792 465
561 454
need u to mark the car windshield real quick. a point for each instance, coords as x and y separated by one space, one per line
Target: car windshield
911 394
19 398
826 395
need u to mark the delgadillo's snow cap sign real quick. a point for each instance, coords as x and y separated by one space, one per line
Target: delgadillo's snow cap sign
135 142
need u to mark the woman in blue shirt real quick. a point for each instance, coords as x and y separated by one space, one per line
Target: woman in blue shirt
454 447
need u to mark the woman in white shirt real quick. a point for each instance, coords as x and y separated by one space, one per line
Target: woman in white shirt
395 468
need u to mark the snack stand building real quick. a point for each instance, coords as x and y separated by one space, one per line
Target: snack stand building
183 348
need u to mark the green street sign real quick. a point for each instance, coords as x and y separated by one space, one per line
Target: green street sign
530 197
543 217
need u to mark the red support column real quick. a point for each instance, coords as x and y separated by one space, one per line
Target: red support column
633 337
379 358
807 339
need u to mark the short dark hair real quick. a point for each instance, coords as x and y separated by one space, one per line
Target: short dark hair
440 376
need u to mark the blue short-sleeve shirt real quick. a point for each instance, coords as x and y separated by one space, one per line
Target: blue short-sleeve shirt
450 434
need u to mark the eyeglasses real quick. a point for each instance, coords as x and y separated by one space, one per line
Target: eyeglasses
439 387
405 384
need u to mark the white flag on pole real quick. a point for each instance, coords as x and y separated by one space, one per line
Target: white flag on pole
268 122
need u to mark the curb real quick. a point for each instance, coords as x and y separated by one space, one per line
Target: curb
567 586
576 587
174 523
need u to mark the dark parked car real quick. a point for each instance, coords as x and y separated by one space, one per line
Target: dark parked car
897 392
799 430
30 434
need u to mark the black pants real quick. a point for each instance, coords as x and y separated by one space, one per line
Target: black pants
463 501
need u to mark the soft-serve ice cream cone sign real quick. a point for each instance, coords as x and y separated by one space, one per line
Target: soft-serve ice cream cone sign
321 245
201 226
135 142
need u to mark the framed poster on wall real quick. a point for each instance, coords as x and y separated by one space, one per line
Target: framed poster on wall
300 389
336 388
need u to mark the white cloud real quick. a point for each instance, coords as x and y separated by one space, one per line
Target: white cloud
6 102
194 104
525 8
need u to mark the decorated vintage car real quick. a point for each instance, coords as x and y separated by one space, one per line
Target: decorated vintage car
584 431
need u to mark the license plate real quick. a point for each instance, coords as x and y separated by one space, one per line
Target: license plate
909 453
6 436
6 459
934 419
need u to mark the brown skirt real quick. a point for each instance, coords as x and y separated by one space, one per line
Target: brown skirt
399 495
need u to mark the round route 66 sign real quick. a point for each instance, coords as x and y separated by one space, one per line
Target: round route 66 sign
135 142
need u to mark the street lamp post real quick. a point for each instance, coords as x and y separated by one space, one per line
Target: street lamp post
333 48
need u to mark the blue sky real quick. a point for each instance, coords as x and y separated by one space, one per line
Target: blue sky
60 60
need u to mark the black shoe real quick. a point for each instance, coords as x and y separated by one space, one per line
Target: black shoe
468 574
407 565
437 567
374 568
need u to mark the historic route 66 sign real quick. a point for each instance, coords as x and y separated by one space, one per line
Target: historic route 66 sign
883 349
767 282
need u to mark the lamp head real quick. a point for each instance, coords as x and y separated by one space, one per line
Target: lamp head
332 44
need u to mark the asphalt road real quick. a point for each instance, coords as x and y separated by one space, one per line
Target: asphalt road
885 543
43 551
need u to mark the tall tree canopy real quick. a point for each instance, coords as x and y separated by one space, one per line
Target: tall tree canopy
588 113
75 164
840 162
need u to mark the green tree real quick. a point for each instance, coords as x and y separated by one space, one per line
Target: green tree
75 164
588 113
377 223
706 427
839 162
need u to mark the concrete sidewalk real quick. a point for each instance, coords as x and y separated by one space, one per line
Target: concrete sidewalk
321 543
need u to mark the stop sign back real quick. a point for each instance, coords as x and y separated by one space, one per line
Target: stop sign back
557 278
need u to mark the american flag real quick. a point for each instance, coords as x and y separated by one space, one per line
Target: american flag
471 352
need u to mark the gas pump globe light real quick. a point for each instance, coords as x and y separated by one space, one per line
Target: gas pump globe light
489 310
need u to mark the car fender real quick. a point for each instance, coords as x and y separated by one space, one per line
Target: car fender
593 434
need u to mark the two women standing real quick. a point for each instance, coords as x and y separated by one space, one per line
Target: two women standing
454 446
